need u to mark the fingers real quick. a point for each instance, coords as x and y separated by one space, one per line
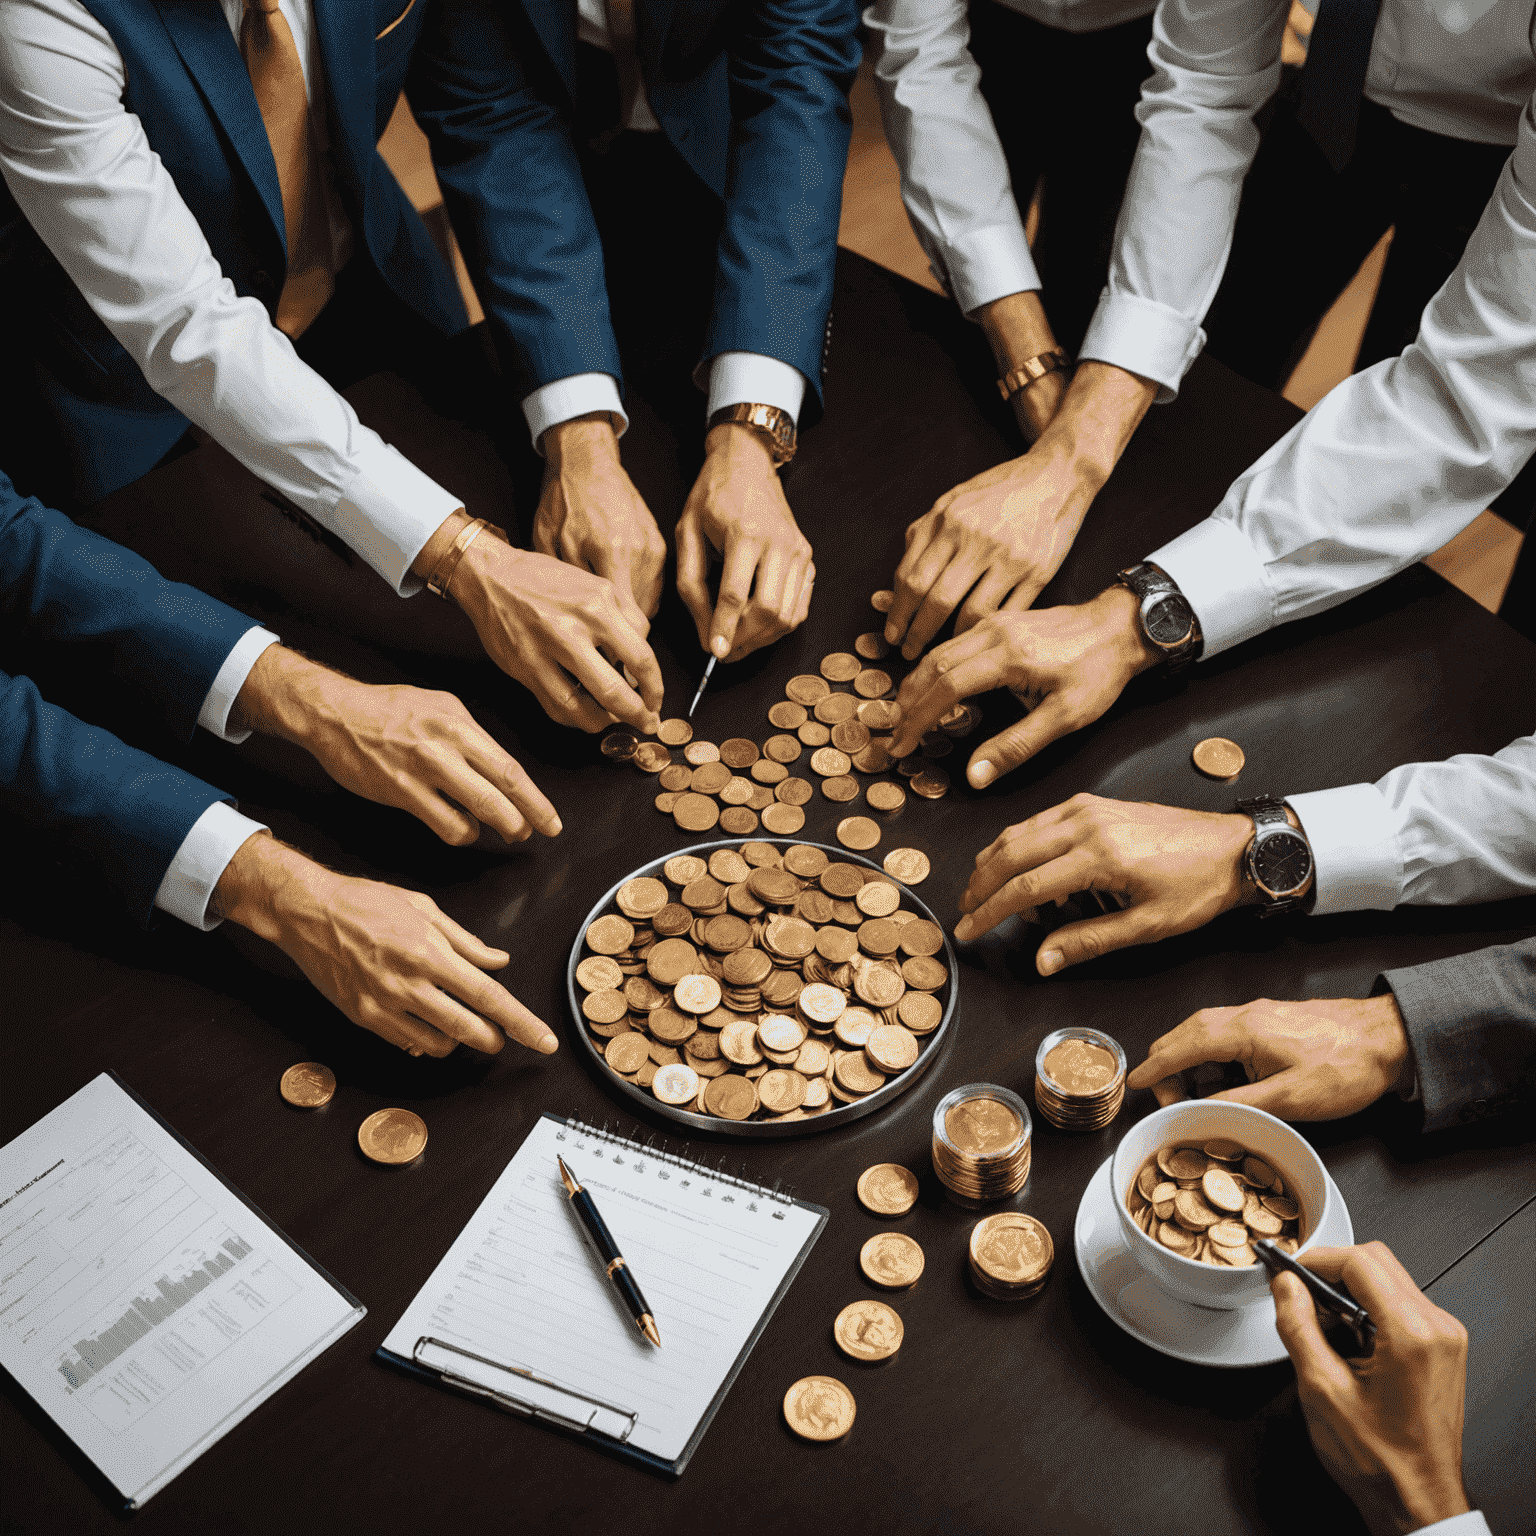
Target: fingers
1375 1278
486 996
467 944
989 595
561 699
802 608
1288 1095
692 568
741 559
1048 721
916 577
608 690
1319 1371
959 669
1052 881
1020 858
434 1006
907 596
1169 1091
1078 942
402 1030
520 789
1204 1036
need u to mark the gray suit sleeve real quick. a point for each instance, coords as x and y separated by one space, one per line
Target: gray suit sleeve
1471 1023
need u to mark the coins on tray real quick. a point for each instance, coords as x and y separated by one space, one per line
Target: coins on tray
1208 1201
1011 1255
1079 1079
981 1142
776 978
892 1260
1218 758
868 1330
394 1136
819 1408
308 1085
888 1189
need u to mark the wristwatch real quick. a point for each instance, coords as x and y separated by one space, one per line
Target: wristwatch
1167 620
1279 859
777 426
1031 371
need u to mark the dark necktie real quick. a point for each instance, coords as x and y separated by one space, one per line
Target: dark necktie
1338 56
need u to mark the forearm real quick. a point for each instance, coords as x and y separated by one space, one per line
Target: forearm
1092 426
1018 331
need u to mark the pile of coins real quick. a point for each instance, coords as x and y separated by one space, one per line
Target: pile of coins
845 730
767 983
981 1142
1079 1079
1011 1256
1209 1202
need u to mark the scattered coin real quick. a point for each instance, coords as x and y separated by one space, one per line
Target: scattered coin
880 714
738 753
807 689
885 796
793 791
308 1085
1218 758
393 1136
788 716
888 1189
858 833
829 762
1011 1255
840 789
651 757
674 733
908 865
872 647
819 1408
868 1330
840 667
697 753
783 820
738 821
892 1260
620 745
930 783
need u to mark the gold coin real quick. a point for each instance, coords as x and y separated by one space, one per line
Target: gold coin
309 1085
1012 1248
674 733
651 757
783 749
783 820
819 1408
394 1136
920 1012
788 716
695 813
982 1126
930 783
781 1090
738 753
710 778
697 753
793 791
888 1189
625 1052
840 789
836 708
885 796
878 899
620 745
610 935
597 973
814 734
829 762
731 1097
868 1330
840 667
1218 758
872 684
851 737
908 865
806 689
891 1047
872 647
881 601
879 715
675 1084
738 821
858 832
892 1260
1080 1066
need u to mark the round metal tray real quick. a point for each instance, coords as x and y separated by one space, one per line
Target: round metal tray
768 1130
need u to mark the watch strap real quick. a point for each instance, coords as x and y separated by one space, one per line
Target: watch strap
1031 371
776 425
1268 814
1148 582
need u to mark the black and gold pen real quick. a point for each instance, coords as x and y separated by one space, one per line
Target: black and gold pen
608 1252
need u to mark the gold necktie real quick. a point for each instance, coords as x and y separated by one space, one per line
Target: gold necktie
272 57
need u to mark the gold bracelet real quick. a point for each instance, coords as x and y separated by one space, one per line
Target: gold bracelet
442 575
1031 372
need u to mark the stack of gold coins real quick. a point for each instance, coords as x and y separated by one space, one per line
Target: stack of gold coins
981 1142
1011 1255
1079 1079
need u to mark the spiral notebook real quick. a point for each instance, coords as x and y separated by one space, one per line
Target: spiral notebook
520 1312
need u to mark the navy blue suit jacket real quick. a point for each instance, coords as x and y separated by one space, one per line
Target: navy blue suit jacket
127 810
752 93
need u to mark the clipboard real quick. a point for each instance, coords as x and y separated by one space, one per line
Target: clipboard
443 1337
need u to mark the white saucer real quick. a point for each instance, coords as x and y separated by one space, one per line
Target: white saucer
1202 1335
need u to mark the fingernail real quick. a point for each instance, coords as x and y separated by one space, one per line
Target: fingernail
549 1045
909 651
720 646
892 635
1050 962
963 929
982 774
556 827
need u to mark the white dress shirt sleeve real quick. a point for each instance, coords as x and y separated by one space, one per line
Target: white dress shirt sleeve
1394 462
1473 1523
214 715
205 852
1214 64
81 168
566 399
749 378
1431 834
954 176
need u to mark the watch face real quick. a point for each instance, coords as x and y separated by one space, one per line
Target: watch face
1282 862
1167 620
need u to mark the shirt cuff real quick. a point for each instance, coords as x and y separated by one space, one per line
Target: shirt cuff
1472 1523
1144 338
214 715
749 378
1222 577
204 855
566 399
389 510
1354 849
989 264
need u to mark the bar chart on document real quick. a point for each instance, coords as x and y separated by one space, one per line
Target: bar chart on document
193 1286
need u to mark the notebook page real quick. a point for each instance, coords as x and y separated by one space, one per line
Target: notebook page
522 1286
143 1304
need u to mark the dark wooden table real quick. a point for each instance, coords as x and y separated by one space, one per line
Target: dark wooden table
993 1418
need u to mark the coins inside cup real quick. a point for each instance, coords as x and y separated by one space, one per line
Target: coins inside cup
1011 1255
1079 1079
981 1142
393 1136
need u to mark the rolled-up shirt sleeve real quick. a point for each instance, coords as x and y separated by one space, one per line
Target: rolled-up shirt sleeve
81 168
954 177
1433 834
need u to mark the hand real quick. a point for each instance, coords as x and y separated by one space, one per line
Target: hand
737 509
1318 1060
591 515
1068 665
1006 532
389 959
558 630
1017 329
396 745
1387 1427
1176 870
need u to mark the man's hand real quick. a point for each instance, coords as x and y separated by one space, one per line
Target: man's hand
389 959
1067 665
1318 1060
737 510
1386 1427
591 515
1173 870
1017 329
401 746
560 631
1002 535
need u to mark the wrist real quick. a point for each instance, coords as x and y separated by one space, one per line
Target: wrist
581 440
1427 1496
1101 410
280 695
1016 329
734 445
259 882
1116 613
1382 1025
